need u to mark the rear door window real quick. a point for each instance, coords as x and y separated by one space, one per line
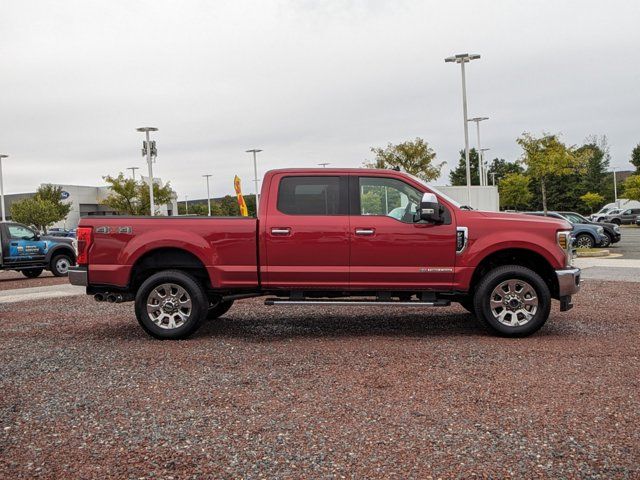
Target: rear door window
317 195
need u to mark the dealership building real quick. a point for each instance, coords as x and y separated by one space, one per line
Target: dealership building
86 201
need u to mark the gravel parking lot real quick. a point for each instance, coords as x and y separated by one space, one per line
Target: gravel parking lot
320 392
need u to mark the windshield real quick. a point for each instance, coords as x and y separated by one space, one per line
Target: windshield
438 192
575 218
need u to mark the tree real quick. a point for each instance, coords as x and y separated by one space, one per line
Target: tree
42 210
415 157
596 158
502 168
514 190
36 212
132 198
458 176
635 158
547 157
592 200
631 187
53 194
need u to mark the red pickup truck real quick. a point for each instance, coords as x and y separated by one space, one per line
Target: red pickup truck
336 237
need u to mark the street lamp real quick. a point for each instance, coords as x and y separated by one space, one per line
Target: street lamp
208 196
485 174
4 219
463 58
255 173
149 149
480 165
493 178
615 189
324 165
186 204
133 172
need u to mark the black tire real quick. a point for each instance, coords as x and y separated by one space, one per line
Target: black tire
219 309
608 240
493 281
467 304
169 309
32 272
60 264
616 221
584 240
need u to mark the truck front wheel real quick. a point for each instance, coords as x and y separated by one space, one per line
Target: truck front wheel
513 301
171 305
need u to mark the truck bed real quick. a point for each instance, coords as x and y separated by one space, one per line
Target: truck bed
225 246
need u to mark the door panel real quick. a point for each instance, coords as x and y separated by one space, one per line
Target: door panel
306 233
21 245
387 248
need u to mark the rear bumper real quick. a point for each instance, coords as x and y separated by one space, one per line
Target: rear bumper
78 276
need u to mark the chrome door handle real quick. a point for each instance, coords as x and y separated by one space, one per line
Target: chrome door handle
365 231
280 231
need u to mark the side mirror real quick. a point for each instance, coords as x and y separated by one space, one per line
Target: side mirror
430 210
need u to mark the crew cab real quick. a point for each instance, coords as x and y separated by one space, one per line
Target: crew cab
372 237
24 250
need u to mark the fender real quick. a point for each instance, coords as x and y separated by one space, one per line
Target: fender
59 248
170 238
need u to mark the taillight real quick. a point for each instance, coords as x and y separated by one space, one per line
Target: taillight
84 236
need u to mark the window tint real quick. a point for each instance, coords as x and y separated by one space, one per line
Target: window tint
313 196
18 232
572 217
389 197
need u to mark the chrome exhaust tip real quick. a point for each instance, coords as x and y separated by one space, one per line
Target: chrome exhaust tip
99 297
111 298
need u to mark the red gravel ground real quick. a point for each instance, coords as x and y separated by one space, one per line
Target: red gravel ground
11 280
320 392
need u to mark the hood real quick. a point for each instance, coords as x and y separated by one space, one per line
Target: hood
521 217
52 239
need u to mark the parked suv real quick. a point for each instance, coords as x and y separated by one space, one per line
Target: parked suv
611 230
626 216
585 235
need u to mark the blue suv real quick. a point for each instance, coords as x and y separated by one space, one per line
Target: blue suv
586 235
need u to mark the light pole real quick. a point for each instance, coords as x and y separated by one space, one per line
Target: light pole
4 219
133 172
485 174
149 149
480 166
615 190
186 204
493 178
324 165
208 196
255 173
463 58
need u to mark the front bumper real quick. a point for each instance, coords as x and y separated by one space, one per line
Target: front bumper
78 276
568 284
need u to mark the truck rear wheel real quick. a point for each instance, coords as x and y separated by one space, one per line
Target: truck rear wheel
171 305
32 272
218 309
513 301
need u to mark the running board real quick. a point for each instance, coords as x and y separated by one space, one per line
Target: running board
364 303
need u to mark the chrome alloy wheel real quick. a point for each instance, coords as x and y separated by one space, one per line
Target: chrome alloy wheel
169 306
584 241
62 265
513 303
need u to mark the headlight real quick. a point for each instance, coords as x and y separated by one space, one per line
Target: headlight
600 231
616 228
565 241
74 244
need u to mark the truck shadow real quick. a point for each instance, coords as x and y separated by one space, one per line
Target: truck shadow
286 326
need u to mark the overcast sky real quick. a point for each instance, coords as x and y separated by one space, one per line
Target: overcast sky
306 81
